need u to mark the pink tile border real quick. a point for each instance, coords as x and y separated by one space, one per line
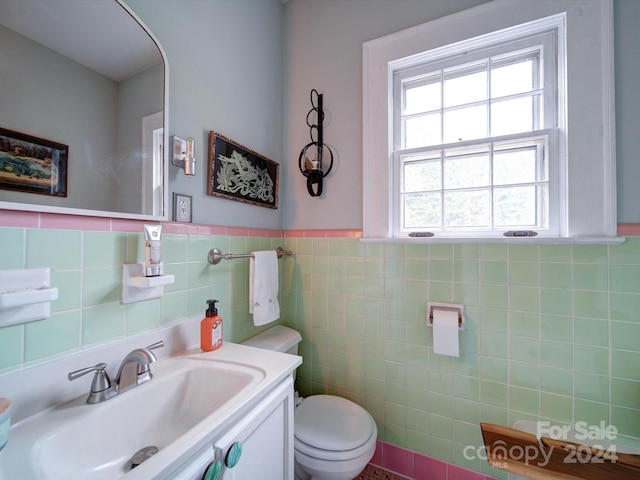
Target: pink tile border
427 467
338 233
24 219
21 219
124 225
457 473
417 466
629 229
13 218
70 222
397 459
377 455
265 233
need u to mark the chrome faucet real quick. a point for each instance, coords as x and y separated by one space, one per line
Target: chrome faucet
101 388
134 370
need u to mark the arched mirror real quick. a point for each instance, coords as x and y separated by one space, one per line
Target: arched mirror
82 110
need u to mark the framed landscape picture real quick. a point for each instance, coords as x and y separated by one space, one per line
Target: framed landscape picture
33 165
238 173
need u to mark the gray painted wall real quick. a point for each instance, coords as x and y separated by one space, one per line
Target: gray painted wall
324 51
225 67
627 65
246 68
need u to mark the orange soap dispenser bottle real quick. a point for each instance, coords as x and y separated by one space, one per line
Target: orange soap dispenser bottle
211 329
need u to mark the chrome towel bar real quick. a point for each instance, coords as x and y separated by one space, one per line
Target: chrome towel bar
215 255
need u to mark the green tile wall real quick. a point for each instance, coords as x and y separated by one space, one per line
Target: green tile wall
553 333
86 267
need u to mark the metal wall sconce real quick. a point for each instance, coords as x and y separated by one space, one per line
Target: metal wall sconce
183 155
312 155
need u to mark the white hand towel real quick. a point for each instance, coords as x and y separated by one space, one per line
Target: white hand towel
263 287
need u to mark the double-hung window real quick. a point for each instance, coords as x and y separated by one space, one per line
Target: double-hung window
493 134
472 134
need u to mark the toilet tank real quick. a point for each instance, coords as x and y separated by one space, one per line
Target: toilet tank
278 338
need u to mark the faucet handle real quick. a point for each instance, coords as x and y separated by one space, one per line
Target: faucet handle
99 367
101 388
153 346
144 373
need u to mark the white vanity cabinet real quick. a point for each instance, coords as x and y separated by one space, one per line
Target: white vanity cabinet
258 445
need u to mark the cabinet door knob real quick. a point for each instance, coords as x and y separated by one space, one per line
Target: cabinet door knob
212 472
233 455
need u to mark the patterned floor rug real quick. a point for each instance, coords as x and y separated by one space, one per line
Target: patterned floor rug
372 472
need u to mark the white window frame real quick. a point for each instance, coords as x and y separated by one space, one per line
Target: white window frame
542 34
587 179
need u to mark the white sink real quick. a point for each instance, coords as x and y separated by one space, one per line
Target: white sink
185 399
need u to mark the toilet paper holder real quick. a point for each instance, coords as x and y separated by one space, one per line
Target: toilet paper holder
456 307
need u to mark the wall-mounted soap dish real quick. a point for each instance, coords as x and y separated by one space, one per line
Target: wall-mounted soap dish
25 295
136 287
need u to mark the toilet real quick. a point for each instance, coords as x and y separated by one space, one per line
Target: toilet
334 438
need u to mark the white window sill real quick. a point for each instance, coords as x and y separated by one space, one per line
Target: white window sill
502 240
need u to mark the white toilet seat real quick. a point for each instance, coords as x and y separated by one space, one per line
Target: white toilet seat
333 455
332 428
334 438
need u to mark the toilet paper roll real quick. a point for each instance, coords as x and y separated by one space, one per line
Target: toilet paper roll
445 333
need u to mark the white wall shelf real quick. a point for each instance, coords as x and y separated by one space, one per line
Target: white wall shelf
25 295
136 287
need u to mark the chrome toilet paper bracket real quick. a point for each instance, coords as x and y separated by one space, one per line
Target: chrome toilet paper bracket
456 307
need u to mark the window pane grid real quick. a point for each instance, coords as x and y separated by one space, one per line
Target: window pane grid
466 84
494 185
525 69
495 96
486 129
422 95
